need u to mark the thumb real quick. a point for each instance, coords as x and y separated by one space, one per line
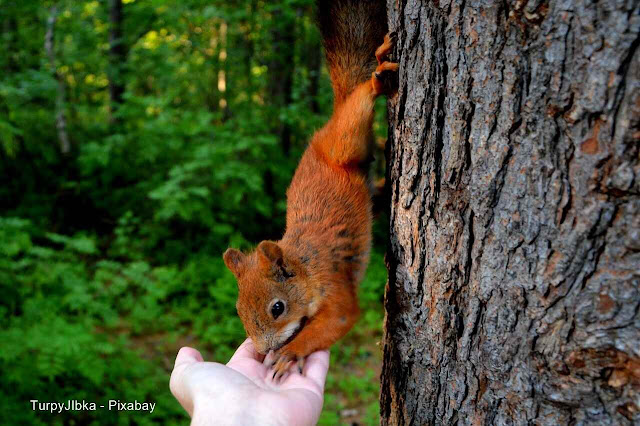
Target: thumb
187 355
178 383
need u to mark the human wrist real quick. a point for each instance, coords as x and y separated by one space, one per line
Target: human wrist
230 409
218 414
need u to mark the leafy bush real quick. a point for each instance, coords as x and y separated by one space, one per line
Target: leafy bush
76 327
110 254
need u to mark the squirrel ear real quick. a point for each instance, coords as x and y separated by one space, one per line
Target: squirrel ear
234 259
270 254
271 259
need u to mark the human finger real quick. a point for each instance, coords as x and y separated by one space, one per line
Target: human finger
186 356
316 367
246 351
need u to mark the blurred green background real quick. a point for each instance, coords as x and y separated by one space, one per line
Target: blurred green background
138 140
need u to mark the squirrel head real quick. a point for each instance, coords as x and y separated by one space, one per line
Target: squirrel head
272 301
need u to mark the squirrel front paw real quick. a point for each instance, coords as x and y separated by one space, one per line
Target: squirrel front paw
281 362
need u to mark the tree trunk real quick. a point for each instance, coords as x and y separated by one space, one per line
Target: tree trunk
49 47
117 54
10 38
514 184
314 52
281 70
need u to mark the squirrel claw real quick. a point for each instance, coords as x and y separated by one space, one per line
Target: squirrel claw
280 365
382 54
385 66
269 360
377 77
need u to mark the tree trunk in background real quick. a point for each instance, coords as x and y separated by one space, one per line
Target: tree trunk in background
9 36
514 183
281 71
50 49
314 65
117 54
248 47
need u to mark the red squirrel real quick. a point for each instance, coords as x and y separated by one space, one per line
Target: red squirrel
299 294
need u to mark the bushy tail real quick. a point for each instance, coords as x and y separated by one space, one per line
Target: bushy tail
351 31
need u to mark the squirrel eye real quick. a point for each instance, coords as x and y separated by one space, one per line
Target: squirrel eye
277 309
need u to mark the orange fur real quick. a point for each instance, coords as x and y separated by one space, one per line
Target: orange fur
315 268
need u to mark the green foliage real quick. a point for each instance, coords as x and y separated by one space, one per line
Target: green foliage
110 255
62 330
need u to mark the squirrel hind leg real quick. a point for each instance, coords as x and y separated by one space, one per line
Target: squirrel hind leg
385 48
378 77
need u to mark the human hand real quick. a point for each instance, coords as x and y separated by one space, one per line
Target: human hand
243 391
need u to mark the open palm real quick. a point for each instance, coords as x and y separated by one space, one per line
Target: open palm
243 391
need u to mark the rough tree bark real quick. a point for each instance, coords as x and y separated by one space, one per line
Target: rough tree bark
514 184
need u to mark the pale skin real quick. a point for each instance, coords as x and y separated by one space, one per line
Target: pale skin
244 392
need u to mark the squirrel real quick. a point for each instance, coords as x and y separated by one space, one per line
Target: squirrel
299 294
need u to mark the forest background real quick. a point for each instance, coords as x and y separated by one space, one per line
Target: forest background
138 140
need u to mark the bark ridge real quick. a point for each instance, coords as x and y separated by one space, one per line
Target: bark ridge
514 184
